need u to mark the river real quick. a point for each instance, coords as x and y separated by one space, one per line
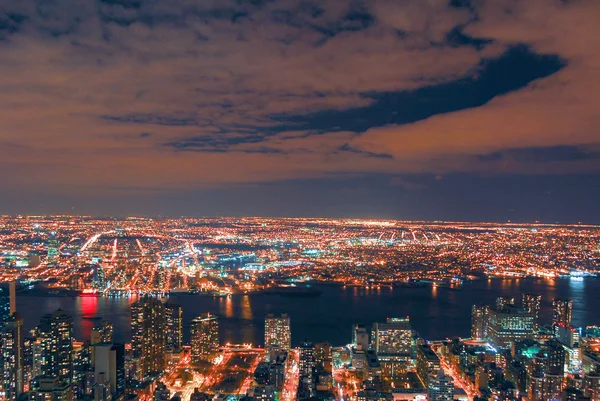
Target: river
434 312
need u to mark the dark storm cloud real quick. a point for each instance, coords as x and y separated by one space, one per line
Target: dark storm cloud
513 70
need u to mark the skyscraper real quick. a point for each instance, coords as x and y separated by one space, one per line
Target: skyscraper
508 324
109 368
7 301
531 303
478 322
360 336
562 311
428 363
53 252
307 358
174 326
394 337
441 387
56 338
12 338
82 363
148 324
102 333
277 332
204 337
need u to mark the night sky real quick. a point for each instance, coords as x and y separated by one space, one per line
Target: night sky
410 109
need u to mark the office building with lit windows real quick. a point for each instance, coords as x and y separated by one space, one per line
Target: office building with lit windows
478 322
441 387
277 332
12 344
109 369
532 304
394 337
174 314
55 333
428 363
49 388
307 358
509 324
204 337
148 324
562 312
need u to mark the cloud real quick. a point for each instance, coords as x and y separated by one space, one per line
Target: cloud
182 93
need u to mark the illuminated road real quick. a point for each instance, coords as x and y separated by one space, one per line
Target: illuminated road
469 387
292 376
234 374
346 384
173 381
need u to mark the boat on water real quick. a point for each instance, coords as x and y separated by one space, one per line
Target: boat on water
89 293
291 291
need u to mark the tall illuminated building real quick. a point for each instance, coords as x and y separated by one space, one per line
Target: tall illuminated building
509 324
532 304
109 369
5 310
149 329
204 337
478 322
53 252
428 363
102 333
562 312
323 356
360 336
277 332
174 314
82 363
441 387
307 358
55 333
394 337
12 344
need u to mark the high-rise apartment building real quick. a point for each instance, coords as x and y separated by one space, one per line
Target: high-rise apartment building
148 324
102 333
109 369
277 332
441 387
394 337
360 336
204 337
478 322
562 312
506 325
53 252
307 358
55 333
174 314
428 363
532 304
12 344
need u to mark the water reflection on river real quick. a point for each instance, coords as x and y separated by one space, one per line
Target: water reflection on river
435 312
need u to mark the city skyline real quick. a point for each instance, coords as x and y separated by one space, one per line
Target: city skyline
254 309
441 110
